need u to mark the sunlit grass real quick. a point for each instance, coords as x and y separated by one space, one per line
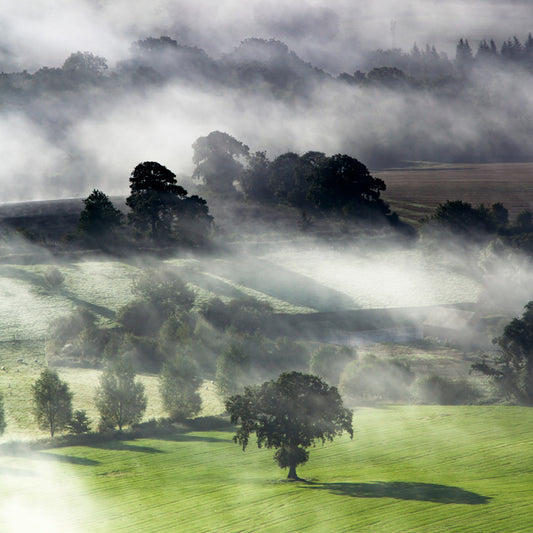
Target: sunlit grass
407 469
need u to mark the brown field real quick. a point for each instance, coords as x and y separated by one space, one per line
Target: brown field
414 192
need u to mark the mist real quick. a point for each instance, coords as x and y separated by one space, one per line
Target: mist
64 144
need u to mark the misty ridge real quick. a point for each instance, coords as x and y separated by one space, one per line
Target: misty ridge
79 125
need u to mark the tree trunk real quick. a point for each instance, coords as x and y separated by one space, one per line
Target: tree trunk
292 471
292 464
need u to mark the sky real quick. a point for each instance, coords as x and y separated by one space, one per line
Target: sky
328 33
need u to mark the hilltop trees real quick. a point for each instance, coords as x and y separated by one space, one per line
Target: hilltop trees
218 161
154 198
120 399
289 415
99 218
52 401
161 209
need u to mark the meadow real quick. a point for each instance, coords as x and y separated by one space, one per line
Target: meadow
409 468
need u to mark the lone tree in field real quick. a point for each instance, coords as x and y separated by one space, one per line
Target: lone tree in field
120 400
2 416
512 369
52 401
289 415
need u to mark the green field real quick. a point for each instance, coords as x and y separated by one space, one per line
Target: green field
423 469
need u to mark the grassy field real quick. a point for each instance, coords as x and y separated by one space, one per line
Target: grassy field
423 469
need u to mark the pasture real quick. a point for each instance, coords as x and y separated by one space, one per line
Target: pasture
407 469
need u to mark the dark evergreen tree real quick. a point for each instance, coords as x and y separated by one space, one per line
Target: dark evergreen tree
154 198
161 208
100 217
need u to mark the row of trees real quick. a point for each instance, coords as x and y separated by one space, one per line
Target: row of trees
427 63
120 398
483 223
338 184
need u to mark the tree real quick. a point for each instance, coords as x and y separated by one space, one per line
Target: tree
462 219
164 290
343 183
217 159
85 62
154 198
373 379
52 401
161 208
79 423
233 369
329 361
2 416
289 415
120 400
178 386
512 368
99 217
255 178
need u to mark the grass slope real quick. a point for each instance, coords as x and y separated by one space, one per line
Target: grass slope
407 469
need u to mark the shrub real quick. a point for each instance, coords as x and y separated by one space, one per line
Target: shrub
53 278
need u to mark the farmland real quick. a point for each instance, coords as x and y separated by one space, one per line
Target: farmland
415 191
407 469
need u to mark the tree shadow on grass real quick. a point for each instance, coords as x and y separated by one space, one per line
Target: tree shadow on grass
40 286
398 490
185 437
61 458
122 446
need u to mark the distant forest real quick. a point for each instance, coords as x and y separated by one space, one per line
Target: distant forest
269 63
394 106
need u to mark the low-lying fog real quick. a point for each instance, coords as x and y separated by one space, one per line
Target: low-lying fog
65 143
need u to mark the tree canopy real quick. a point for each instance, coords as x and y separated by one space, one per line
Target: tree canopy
217 159
99 217
120 399
52 401
512 369
178 386
289 415
161 208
